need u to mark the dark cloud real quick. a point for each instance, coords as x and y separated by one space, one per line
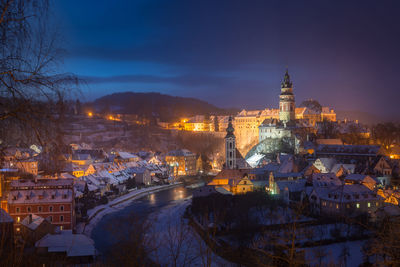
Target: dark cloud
340 52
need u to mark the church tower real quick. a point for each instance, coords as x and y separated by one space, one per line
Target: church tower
230 147
286 100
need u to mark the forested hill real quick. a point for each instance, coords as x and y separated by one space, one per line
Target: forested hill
166 107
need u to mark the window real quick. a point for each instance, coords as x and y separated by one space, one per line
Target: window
18 229
369 205
358 205
61 227
29 209
51 218
17 210
61 218
40 208
377 204
51 208
337 206
18 219
61 208
348 206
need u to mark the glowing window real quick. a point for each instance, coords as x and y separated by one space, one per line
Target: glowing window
358 205
369 205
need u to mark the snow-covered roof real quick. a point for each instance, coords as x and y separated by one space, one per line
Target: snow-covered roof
127 155
32 221
349 193
223 191
348 167
324 180
293 186
255 160
74 245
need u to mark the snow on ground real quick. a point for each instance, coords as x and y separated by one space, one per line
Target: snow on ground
97 213
178 244
335 253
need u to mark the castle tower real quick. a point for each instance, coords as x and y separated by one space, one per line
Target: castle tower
286 100
230 147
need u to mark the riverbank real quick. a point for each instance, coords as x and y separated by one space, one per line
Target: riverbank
97 213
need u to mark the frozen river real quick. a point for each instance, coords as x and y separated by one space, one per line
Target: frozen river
108 230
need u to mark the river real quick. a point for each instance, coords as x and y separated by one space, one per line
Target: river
104 233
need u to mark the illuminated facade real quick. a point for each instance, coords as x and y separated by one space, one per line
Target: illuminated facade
182 162
48 198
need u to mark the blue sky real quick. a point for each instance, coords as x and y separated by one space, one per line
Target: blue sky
234 53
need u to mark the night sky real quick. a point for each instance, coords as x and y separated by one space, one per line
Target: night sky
233 53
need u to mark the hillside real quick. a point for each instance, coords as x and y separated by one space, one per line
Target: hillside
166 107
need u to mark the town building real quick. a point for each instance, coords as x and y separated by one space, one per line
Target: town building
182 162
48 198
344 200
231 178
34 227
73 249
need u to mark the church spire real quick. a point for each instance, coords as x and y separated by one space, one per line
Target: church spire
230 129
287 83
230 146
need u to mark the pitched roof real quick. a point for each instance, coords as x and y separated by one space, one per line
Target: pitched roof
73 244
32 222
5 217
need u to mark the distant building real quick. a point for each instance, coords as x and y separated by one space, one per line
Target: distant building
182 162
348 153
141 175
47 198
345 200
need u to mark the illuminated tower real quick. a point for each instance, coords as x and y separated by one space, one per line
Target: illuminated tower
230 146
286 100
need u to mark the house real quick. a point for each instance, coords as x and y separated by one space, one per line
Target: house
382 167
48 198
348 153
343 169
344 200
205 191
229 179
323 180
141 175
68 247
245 185
182 162
27 166
366 180
34 227
324 165
291 191
126 157
81 159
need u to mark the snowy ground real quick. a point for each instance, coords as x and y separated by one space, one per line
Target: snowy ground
177 243
117 204
335 253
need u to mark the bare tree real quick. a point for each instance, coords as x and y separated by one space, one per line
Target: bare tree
32 92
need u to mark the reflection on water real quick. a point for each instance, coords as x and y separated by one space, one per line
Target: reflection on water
104 233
